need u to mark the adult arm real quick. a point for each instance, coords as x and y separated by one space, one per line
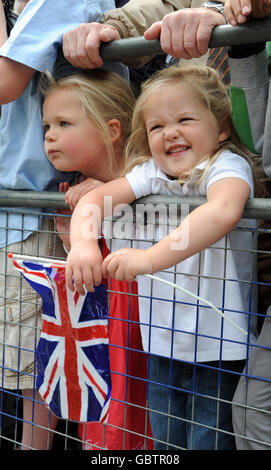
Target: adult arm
11 88
138 15
81 45
41 23
250 93
250 82
184 31
3 29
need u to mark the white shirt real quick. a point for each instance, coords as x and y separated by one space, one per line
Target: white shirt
174 324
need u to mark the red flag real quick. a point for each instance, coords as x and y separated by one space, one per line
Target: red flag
128 424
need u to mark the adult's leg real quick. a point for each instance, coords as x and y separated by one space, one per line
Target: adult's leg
39 422
252 400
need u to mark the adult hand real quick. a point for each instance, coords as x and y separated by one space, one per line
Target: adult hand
237 11
81 45
186 33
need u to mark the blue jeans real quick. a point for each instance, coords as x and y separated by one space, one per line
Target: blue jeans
185 391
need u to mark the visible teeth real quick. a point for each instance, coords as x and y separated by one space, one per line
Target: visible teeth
177 149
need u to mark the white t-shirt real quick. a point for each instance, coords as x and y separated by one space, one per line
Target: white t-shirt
174 324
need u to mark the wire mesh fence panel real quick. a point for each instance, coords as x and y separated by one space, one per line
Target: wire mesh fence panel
179 341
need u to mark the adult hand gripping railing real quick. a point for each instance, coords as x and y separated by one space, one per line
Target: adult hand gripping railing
248 33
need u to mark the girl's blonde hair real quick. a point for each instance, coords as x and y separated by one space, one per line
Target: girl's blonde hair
104 96
204 85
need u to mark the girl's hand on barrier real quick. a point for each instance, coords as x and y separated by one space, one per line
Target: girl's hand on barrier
74 193
126 264
84 267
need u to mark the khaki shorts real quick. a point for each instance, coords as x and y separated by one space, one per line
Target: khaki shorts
20 310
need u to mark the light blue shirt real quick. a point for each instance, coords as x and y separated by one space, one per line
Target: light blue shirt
34 41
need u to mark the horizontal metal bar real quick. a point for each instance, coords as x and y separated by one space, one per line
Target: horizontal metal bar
256 208
227 35
13 198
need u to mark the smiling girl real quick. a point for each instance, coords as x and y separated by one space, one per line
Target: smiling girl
182 143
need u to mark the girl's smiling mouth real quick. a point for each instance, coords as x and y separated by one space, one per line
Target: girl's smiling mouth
176 150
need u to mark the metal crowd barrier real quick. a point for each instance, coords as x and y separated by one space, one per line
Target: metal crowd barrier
226 35
257 208
67 435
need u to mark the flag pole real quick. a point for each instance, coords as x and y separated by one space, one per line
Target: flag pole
36 259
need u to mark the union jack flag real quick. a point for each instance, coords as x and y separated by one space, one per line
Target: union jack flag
72 354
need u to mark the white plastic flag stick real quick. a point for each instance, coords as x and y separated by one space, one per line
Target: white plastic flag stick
207 302
36 259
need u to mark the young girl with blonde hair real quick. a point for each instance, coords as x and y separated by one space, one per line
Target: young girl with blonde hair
182 143
29 50
105 101
87 120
